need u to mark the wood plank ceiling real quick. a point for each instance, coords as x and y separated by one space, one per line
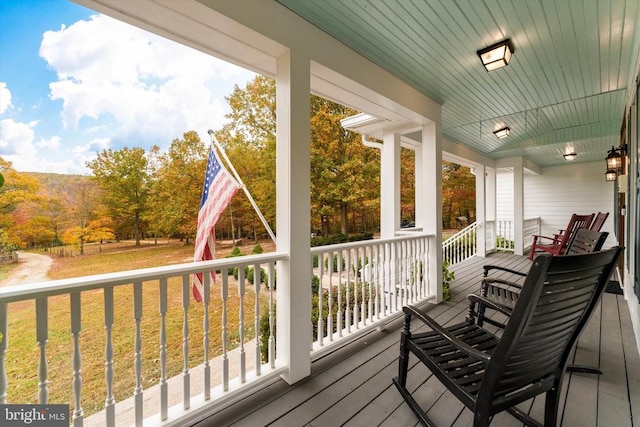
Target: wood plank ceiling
564 89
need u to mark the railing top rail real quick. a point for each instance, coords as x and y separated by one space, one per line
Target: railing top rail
84 283
468 229
364 243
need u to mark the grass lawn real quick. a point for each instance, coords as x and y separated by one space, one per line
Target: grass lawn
23 352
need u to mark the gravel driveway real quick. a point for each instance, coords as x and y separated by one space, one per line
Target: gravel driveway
33 268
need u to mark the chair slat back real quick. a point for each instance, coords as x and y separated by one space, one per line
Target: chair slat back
558 295
576 222
599 220
586 241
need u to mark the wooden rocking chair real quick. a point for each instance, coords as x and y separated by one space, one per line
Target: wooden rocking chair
599 221
505 293
490 374
558 244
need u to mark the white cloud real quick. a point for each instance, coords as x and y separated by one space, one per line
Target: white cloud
49 144
149 88
5 97
16 138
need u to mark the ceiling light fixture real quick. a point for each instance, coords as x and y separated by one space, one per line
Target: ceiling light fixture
497 55
502 133
569 157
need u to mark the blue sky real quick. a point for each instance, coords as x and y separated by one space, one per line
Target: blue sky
74 82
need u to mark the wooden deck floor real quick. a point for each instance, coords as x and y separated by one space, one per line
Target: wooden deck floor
352 387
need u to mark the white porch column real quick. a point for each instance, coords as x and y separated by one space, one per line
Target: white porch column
490 195
481 203
431 160
518 205
419 188
293 214
490 206
390 185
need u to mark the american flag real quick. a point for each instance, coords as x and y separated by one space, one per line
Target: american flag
219 188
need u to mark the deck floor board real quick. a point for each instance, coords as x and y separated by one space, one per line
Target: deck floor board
352 386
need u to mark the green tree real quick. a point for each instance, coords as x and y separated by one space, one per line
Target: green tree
175 194
124 177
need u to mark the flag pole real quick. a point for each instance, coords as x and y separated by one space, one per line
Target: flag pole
215 142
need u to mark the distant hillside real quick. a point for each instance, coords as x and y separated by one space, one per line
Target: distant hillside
51 183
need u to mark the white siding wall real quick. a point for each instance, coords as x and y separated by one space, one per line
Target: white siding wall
563 190
504 194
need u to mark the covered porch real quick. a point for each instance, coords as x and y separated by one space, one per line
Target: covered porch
347 378
352 386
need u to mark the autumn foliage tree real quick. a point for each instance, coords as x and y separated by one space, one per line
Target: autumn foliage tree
17 190
344 173
458 195
124 177
175 192
249 138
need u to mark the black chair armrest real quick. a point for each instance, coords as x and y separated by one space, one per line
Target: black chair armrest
459 344
490 267
477 299
489 281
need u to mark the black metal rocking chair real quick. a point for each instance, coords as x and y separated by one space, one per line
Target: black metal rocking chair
491 374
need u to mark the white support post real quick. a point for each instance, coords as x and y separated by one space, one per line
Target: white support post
518 205
293 215
390 185
481 210
432 178
420 200
490 195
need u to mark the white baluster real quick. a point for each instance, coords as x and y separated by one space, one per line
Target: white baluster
225 360
340 284
347 312
110 401
330 298
320 338
76 327
272 338
137 358
42 332
257 275
186 376
164 391
206 300
360 267
241 287
4 339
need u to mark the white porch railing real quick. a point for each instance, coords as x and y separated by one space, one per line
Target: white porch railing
460 246
531 227
500 236
505 233
366 283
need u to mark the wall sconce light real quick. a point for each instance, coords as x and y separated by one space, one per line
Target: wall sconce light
502 133
614 162
569 157
614 159
497 55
